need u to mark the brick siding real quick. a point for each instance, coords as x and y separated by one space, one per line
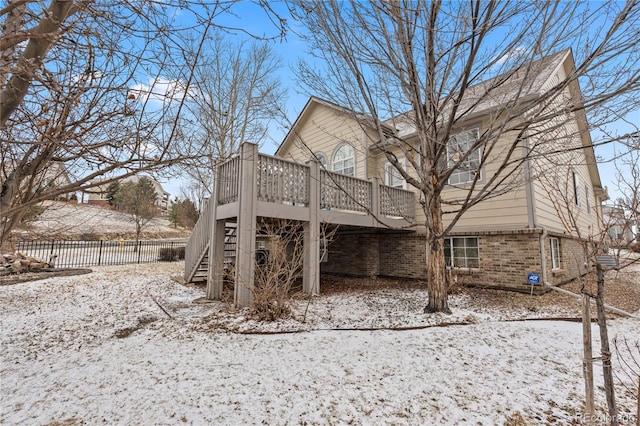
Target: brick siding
506 258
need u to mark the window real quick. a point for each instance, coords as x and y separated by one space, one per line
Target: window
461 252
555 253
322 159
344 160
392 176
576 188
457 147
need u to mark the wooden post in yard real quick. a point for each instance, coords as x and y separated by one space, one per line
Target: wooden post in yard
587 363
605 350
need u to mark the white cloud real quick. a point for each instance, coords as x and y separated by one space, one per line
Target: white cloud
160 90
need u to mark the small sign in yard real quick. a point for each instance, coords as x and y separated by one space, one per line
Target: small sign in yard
534 279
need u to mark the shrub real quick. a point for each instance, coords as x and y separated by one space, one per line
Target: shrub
171 254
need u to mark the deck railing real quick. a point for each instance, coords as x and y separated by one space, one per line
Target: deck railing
397 202
286 182
229 180
281 181
344 192
198 242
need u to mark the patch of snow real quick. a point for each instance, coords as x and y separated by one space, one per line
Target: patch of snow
99 348
60 218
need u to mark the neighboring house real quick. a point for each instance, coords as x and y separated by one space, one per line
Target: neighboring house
97 195
55 175
497 243
619 227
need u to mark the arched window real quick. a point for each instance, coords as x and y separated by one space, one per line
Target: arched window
344 160
322 159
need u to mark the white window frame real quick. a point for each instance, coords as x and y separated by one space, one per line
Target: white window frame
345 163
465 171
556 259
392 176
467 260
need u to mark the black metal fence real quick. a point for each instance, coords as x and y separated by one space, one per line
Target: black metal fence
72 254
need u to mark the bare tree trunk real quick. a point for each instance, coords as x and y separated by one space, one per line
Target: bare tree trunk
437 278
605 350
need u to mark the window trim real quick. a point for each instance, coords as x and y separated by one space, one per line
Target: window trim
450 263
476 131
389 170
333 159
556 257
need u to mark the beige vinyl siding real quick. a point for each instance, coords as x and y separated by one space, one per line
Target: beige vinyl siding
554 192
324 130
505 211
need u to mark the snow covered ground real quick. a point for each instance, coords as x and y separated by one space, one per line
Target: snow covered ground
99 349
71 220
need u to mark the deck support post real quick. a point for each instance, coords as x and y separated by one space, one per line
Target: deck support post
216 246
246 237
311 228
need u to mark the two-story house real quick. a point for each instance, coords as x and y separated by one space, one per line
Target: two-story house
541 220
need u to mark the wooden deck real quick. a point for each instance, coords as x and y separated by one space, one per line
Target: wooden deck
255 185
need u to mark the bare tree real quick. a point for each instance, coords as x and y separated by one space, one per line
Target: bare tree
569 202
418 72
628 185
138 199
98 87
237 97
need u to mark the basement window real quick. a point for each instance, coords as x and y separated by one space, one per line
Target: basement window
555 253
461 252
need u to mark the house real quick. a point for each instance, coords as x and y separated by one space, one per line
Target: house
619 226
98 195
329 169
54 176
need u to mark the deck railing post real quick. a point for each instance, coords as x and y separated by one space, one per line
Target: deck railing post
311 229
246 231
375 197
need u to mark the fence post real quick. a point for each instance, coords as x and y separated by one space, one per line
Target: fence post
100 254
139 249
171 259
53 243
